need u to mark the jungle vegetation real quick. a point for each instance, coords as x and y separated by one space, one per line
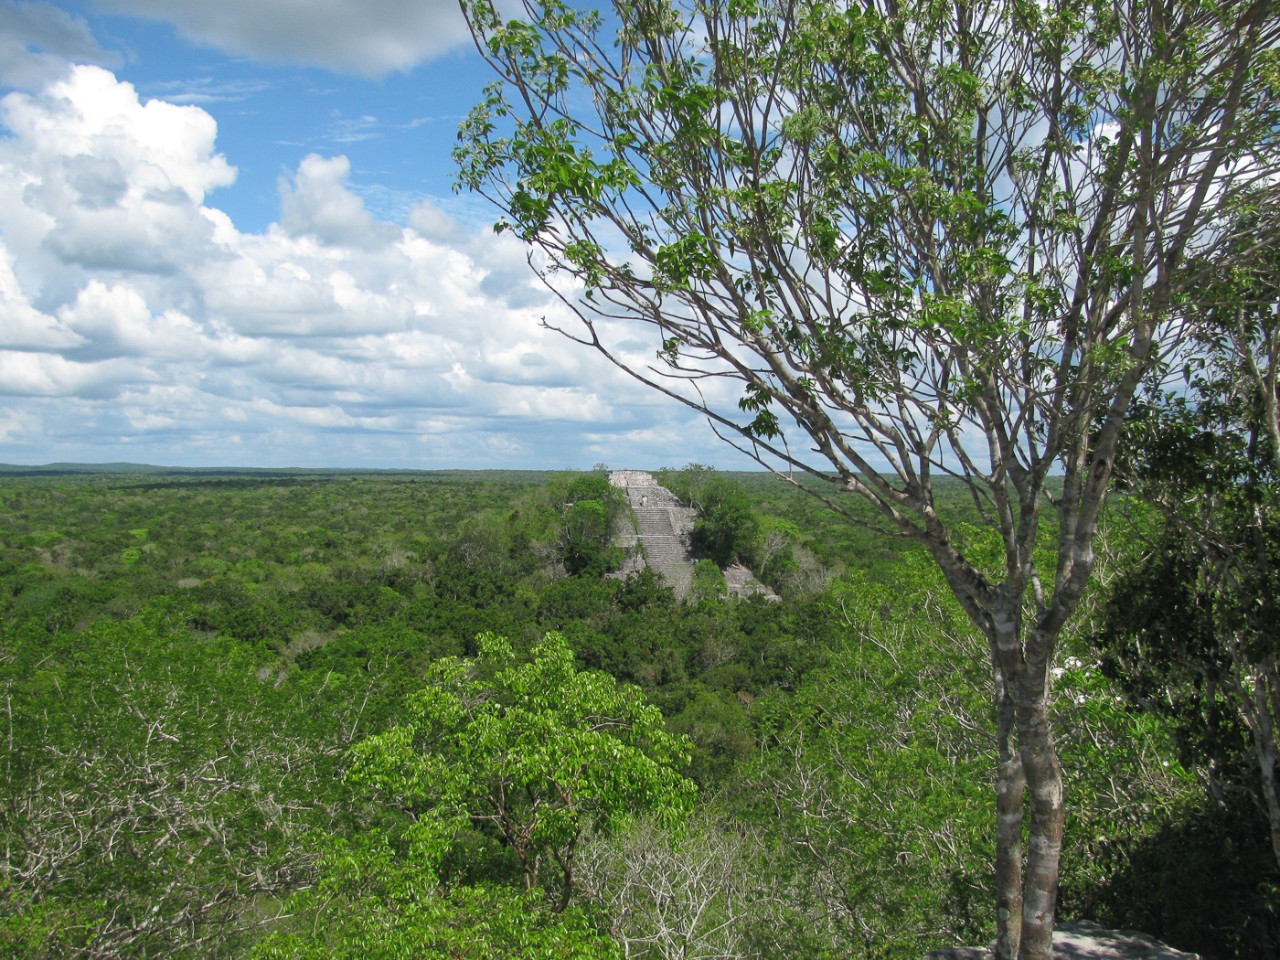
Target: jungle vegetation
413 715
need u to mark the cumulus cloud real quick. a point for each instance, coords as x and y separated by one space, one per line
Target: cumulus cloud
432 223
317 203
92 178
134 313
347 36
51 375
22 326
100 129
115 321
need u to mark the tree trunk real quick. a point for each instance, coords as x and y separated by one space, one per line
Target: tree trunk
1266 698
1044 845
1010 788
1026 880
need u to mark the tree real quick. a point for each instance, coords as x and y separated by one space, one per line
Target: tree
591 510
688 482
375 903
697 896
708 582
926 239
1193 627
727 528
536 753
873 778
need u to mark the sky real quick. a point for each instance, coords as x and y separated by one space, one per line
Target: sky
229 237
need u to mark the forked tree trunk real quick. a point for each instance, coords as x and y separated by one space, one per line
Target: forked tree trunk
1028 778
1027 891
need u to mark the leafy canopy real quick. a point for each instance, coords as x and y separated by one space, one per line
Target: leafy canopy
535 752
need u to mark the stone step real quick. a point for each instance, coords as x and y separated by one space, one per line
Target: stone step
663 528
663 531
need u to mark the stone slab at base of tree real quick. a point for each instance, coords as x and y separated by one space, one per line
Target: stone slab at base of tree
1082 940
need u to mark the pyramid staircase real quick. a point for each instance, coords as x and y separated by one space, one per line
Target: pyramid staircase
664 530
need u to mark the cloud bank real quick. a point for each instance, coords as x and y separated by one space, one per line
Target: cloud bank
137 322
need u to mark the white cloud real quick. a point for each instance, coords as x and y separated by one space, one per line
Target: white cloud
315 202
93 179
100 129
15 424
116 321
553 403
429 221
205 91
134 313
348 36
330 416
22 326
51 375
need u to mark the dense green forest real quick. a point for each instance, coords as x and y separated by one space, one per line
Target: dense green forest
274 715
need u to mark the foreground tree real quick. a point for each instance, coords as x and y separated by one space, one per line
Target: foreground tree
533 753
927 239
481 796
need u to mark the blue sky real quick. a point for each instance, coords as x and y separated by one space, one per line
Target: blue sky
228 236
